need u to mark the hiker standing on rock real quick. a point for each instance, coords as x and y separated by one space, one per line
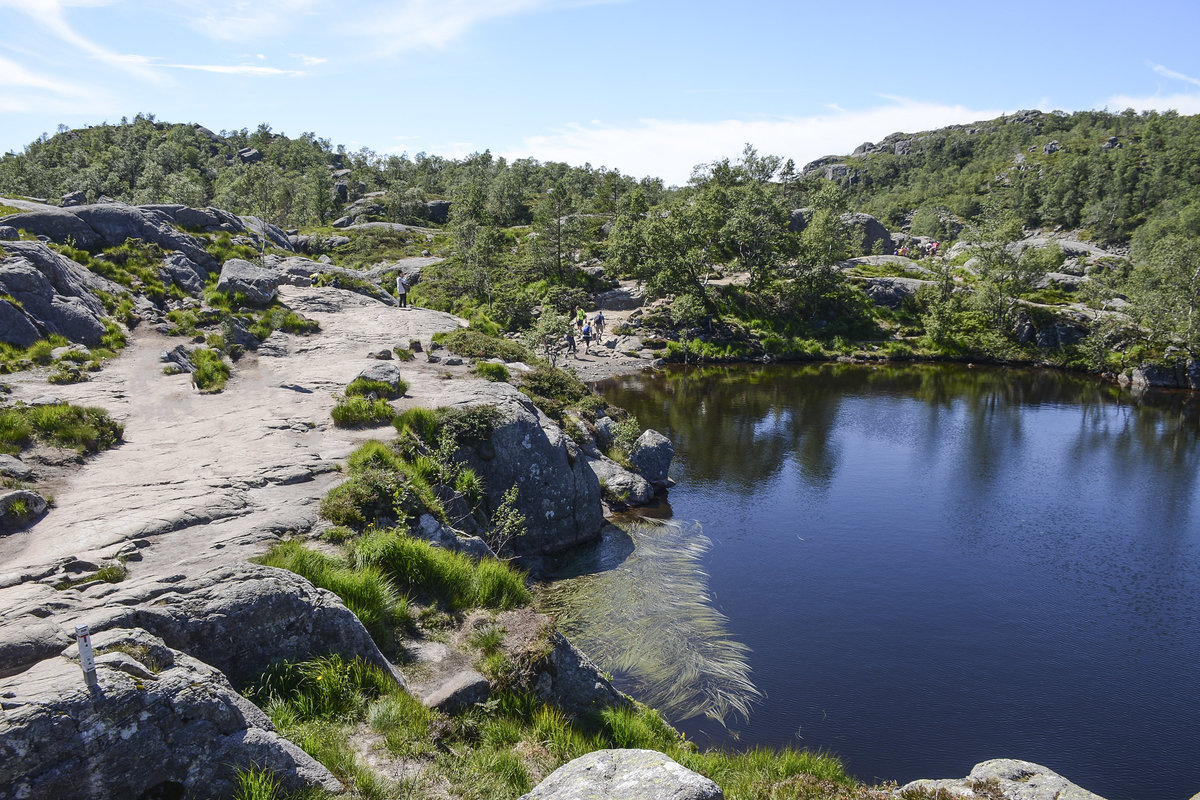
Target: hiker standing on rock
599 324
402 290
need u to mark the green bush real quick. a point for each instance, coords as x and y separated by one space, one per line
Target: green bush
403 353
552 389
359 412
451 579
365 591
330 688
361 387
492 372
420 422
211 370
474 344
86 430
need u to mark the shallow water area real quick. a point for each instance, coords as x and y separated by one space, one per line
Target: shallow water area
930 566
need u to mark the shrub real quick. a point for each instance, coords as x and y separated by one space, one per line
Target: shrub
362 498
329 688
474 344
360 412
39 352
421 422
366 591
361 387
553 389
86 430
403 354
492 372
211 370
451 579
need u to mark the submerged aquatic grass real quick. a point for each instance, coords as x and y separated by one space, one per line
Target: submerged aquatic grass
650 620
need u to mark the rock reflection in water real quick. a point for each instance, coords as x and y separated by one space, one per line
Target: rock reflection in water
638 603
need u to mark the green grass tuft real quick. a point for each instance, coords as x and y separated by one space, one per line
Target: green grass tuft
360 412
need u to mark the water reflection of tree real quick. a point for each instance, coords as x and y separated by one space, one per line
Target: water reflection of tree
738 424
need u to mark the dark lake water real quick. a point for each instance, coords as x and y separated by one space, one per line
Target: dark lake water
925 567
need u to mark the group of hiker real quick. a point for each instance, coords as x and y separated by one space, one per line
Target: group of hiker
920 250
588 330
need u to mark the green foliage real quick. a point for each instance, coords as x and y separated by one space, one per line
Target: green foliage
110 573
257 784
548 334
507 523
211 370
403 353
420 422
86 430
364 590
552 389
473 344
361 387
361 412
450 579
492 372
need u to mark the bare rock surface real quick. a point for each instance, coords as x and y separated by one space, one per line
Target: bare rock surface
157 720
624 775
1006 778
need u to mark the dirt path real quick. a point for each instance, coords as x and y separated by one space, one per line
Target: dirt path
201 478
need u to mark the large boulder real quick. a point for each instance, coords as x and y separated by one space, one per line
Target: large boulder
157 723
256 283
184 273
556 490
619 486
624 298
1007 779
56 295
652 455
239 619
874 235
891 292
101 225
624 775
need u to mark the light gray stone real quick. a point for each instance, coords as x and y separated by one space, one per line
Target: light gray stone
891 292
625 298
161 721
13 467
652 455
1014 780
624 775
19 508
619 486
257 284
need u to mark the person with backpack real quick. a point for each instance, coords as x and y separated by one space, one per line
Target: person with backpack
599 323
587 337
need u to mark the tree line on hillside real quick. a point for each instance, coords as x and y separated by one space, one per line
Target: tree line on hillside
529 235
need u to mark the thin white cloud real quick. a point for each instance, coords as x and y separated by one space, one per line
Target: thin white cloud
309 61
433 24
13 75
1183 103
240 21
239 69
50 16
1178 76
671 148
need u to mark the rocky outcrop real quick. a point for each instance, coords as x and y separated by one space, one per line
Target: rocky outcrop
652 455
257 284
1005 779
238 618
624 298
1050 331
891 292
157 723
100 225
871 230
53 295
1181 374
624 775
438 211
556 491
571 681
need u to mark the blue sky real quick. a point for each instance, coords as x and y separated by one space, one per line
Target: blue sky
651 87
